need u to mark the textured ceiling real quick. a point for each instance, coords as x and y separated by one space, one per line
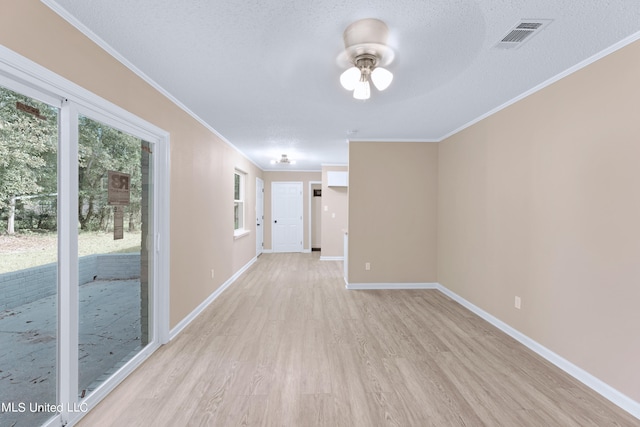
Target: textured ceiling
264 74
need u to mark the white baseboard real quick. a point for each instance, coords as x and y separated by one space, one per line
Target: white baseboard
331 258
370 286
597 385
270 251
199 309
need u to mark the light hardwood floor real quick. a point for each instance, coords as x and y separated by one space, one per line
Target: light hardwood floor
287 345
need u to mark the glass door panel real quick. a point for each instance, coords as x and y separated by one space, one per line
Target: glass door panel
114 219
28 259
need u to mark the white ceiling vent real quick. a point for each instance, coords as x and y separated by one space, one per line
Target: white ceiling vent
522 32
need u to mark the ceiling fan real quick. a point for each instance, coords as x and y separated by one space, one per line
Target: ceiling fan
366 50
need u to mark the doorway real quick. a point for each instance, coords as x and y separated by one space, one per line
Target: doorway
286 214
259 216
82 215
315 215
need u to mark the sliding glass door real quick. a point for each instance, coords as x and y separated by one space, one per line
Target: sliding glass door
78 254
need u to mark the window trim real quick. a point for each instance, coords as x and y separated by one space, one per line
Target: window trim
241 230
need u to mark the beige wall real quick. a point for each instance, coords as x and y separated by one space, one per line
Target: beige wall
393 212
335 218
201 164
542 201
304 177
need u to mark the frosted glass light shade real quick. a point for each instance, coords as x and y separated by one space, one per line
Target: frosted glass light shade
381 78
350 78
362 90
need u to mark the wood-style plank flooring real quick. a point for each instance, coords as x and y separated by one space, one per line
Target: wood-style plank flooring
287 345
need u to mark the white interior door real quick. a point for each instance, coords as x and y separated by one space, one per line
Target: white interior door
286 213
259 216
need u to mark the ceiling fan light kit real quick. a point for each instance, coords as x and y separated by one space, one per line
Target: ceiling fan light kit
367 52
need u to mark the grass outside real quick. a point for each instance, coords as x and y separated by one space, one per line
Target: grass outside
20 251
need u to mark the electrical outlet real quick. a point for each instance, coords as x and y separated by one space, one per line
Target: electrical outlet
517 303
367 266
213 273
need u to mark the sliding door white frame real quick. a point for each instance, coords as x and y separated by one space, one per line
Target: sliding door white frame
24 76
68 305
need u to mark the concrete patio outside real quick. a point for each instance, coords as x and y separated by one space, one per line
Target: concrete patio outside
109 336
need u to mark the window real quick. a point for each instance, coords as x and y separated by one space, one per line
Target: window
238 202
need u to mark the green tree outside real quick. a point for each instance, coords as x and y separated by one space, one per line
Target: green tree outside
28 167
28 147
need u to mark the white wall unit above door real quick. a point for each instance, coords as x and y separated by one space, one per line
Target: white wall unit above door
337 178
